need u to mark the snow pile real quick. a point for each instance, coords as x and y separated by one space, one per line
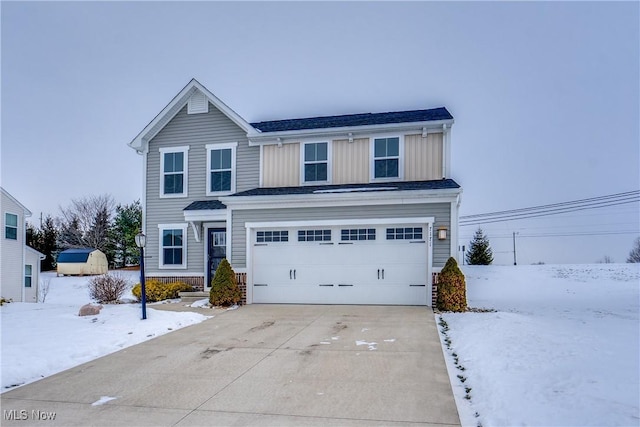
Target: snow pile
39 340
562 349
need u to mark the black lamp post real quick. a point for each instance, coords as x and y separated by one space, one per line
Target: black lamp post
141 240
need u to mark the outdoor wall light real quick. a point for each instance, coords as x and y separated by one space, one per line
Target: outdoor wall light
442 233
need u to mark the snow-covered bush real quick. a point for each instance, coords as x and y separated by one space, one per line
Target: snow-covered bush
158 291
108 288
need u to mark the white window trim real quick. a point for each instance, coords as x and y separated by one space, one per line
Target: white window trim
302 163
28 275
209 147
179 226
372 158
185 179
17 227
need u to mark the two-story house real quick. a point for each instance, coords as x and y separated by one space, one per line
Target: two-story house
19 264
349 209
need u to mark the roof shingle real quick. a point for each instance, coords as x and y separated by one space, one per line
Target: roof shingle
364 119
353 188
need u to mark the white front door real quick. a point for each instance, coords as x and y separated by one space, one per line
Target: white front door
381 264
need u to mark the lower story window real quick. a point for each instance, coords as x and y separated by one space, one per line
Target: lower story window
28 275
406 233
173 246
272 236
314 235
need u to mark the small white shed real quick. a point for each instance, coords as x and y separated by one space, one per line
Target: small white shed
81 262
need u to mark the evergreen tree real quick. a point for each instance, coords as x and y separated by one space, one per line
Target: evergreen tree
479 250
126 225
452 288
634 255
224 287
33 237
49 245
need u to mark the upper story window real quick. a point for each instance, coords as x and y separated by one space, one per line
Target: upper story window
173 245
10 226
173 171
221 173
316 162
386 157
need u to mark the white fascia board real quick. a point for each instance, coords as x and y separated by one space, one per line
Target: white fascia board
343 132
27 213
177 103
337 222
342 199
40 254
205 215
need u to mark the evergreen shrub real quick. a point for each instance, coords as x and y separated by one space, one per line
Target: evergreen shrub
224 286
452 292
158 291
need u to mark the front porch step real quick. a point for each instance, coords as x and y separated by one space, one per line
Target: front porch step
191 297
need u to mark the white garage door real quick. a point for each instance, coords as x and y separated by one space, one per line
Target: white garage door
341 265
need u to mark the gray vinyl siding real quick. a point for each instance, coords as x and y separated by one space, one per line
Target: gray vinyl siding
195 131
440 211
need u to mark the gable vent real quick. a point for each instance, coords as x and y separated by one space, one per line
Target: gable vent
197 103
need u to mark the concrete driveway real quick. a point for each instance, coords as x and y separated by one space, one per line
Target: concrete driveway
259 365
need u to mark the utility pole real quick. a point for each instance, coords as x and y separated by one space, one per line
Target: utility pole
514 249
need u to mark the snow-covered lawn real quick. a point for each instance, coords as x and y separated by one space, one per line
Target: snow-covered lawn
40 339
561 349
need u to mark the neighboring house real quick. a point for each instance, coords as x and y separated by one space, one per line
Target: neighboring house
352 209
81 262
19 264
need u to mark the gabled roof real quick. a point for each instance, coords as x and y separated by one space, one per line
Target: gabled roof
27 212
365 119
441 184
40 254
140 142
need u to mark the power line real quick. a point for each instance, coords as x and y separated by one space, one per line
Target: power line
580 201
552 209
566 234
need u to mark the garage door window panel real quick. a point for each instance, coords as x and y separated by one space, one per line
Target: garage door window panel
314 235
272 236
358 234
404 233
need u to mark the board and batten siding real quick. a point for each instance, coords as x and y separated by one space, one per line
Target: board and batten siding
195 131
350 161
423 157
12 269
281 165
440 211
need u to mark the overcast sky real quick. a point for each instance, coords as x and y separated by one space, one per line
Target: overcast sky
545 96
